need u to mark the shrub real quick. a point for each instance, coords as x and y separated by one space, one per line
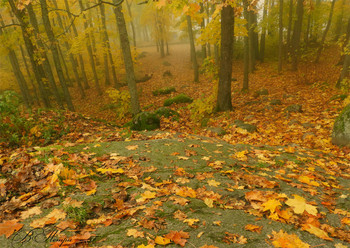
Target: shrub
202 108
18 128
163 91
209 67
181 98
120 101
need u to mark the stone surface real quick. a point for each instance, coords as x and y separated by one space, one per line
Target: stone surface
341 128
217 130
249 127
295 108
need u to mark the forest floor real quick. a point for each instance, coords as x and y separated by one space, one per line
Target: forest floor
184 185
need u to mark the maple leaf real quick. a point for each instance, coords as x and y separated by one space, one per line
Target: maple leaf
180 215
299 205
162 241
209 246
30 212
191 222
8 227
135 233
51 218
308 180
253 228
241 156
110 170
186 192
209 202
213 183
178 237
145 246
271 205
132 148
285 240
147 195
316 231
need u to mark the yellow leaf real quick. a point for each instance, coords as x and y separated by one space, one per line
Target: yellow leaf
90 192
190 222
161 3
161 241
316 231
213 183
132 148
217 223
308 180
271 205
30 212
299 205
241 156
135 233
145 246
200 234
209 202
110 170
285 240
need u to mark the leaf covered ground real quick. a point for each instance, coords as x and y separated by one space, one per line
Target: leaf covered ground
102 185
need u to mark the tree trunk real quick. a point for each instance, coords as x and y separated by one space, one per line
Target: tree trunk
31 49
129 67
193 49
128 5
55 53
204 47
80 56
46 63
339 22
296 35
71 57
307 34
319 51
90 51
251 42
246 49
225 74
289 30
280 37
345 71
263 33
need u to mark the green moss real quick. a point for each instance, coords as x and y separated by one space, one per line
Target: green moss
181 98
145 121
166 112
163 91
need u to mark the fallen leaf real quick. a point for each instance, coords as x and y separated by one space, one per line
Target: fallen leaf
253 228
30 212
132 148
316 231
285 240
299 205
271 205
8 227
135 233
161 241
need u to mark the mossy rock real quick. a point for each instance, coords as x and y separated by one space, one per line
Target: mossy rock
145 121
166 112
217 130
167 74
166 63
249 127
339 97
275 102
163 91
295 108
182 98
262 92
341 128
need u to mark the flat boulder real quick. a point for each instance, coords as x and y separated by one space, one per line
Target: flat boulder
341 128
145 121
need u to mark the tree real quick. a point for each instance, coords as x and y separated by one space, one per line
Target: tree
223 102
296 34
319 51
55 53
193 49
346 64
263 32
280 36
246 48
129 67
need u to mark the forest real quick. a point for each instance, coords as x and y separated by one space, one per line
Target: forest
175 123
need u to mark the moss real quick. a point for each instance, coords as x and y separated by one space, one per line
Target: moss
182 98
163 91
145 121
166 112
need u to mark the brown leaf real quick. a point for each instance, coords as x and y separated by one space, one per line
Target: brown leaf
8 227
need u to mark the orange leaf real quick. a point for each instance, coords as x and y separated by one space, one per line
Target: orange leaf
9 227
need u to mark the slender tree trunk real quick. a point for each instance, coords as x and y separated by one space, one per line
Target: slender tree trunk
80 56
193 49
90 51
128 5
280 36
297 34
255 37
263 33
105 40
319 51
129 67
225 74
71 57
204 47
307 34
251 43
246 49
345 71
317 17
289 30
55 53
45 64
347 38
339 22
31 49
167 48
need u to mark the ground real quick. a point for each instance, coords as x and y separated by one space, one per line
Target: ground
284 185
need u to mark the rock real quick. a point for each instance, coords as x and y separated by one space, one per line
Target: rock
295 108
167 74
217 130
261 92
308 125
275 102
249 127
252 102
166 63
145 121
181 98
341 128
233 79
294 122
166 112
